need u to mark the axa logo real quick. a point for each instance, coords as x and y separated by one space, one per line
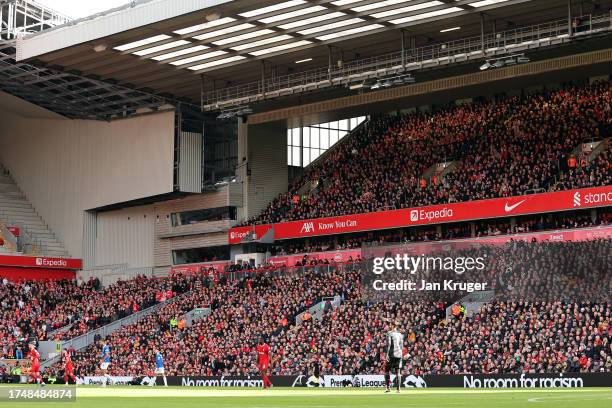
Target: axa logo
577 199
414 215
307 227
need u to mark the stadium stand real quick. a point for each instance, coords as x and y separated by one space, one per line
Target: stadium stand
264 304
161 139
15 210
64 309
529 337
506 147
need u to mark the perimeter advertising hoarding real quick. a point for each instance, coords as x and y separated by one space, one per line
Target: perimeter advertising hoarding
435 214
470 381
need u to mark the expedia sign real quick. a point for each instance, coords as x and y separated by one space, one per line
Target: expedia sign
51 263
235 381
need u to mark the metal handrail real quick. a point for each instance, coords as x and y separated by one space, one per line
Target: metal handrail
477 47
8 237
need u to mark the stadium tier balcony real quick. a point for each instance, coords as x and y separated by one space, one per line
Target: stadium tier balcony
497 148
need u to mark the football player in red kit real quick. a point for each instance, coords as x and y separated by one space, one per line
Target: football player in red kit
35 368
263 357
68 367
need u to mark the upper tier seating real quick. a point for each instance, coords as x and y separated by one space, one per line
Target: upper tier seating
506 147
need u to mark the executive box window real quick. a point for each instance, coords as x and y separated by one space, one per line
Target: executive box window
197 255
208 214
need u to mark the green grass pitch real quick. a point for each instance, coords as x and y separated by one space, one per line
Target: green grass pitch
183 397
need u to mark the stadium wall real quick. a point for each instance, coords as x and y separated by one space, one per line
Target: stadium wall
202 234
66 167
125 236
266 173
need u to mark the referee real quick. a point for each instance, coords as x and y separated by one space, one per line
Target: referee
395 346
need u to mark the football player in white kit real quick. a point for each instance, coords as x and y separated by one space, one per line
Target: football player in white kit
393 356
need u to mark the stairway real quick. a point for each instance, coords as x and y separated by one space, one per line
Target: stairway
16 211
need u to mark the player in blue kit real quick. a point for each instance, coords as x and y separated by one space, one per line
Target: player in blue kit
105 363
159 367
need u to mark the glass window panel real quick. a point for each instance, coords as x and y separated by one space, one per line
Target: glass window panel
324 135
325 140
344 124
289 161
306 131
306 157
296 137
314 154
288 137
296 156
314 137
333 137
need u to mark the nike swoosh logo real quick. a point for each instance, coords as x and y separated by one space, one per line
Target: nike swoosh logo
509 208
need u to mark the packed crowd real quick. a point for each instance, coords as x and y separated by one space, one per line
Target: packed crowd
64 309
580 174
510 337
567 331
265 304
30 310
506 147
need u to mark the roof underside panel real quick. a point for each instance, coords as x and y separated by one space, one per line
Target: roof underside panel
185 47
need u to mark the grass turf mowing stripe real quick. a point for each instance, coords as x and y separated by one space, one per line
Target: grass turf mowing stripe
183 397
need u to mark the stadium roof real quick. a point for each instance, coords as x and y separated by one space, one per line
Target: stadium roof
183 47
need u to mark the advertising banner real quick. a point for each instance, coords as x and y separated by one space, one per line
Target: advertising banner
436 214
41 262
234 381
238 234
188 269
545 380
331 256
469 381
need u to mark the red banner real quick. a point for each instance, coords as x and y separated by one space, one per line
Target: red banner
236 235
331 256
41 262
18 273
418 248
15 231
437 214
188 269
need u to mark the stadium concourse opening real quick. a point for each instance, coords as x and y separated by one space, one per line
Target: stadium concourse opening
307 203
